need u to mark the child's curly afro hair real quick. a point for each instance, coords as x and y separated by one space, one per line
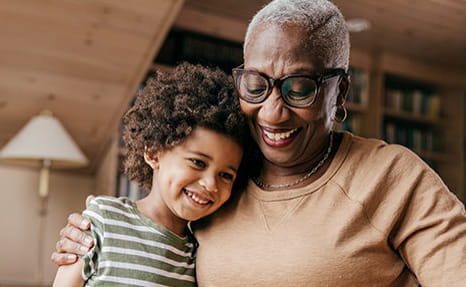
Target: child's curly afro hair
171 106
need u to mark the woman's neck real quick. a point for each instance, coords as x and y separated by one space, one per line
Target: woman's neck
275 174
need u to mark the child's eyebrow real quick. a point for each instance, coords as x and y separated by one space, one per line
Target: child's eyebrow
200 154
209 157
232 168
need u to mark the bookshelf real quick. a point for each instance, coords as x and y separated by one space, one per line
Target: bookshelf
412 118
356 101
414 106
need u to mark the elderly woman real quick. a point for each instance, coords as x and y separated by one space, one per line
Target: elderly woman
326 208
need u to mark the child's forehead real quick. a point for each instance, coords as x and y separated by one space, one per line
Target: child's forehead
209 142
216 149
202 135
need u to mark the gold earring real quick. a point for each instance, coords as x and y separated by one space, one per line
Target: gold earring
345 114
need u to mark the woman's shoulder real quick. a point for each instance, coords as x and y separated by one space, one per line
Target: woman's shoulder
374 162
372 151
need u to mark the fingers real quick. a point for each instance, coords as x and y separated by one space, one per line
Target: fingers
73 235
88 199
63 258
66 245
77 220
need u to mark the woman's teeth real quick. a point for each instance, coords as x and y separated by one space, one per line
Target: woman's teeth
279 136
196 198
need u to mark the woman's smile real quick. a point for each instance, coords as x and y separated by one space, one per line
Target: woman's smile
279 137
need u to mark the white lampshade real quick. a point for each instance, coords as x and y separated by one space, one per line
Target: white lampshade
43 138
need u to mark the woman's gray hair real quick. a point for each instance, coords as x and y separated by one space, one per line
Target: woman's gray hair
328 40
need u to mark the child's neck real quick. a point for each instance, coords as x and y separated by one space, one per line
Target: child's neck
152 207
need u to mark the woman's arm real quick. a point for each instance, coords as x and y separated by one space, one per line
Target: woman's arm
69 275
73 241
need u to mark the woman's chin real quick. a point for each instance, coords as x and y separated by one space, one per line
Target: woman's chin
280 159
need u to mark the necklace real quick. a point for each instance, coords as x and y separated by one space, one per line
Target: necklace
263 185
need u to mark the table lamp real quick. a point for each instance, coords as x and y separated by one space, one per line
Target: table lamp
44 143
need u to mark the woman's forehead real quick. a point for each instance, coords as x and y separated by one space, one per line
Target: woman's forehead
270 34
282 46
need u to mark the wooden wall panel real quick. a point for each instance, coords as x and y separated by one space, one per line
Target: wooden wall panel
82 60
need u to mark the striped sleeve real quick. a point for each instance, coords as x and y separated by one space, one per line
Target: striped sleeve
95 215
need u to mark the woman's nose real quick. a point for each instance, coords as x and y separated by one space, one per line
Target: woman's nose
273 110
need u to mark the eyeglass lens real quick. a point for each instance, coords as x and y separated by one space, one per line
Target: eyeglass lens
295 90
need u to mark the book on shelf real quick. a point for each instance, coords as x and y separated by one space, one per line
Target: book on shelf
357 93
417 99
434 106
182 45
135 192
407 101
129 189
390 133
413 102
427 143
123 185
416 138
393 100
401 136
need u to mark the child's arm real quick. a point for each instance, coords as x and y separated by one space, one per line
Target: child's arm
75 275
69 275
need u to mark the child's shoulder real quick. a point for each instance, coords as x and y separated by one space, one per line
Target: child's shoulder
105 200
104 204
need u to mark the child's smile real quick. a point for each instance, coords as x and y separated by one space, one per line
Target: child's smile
199 197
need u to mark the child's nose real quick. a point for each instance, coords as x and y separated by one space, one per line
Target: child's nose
209 183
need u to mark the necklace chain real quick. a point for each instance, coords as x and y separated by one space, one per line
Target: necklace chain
263 185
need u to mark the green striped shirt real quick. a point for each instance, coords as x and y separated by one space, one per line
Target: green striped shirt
131 250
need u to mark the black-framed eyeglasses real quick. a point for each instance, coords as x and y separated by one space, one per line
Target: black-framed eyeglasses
296 90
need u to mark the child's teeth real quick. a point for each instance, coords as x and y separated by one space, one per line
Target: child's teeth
196 198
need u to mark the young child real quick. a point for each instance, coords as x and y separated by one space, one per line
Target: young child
184 140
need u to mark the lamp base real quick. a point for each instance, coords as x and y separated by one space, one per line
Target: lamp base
44 179
43 196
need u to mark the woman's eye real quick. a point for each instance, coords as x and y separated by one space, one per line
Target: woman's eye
254 85
298 88
198 163
297 95
227 176
255 90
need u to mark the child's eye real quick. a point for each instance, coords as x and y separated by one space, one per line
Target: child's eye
198 163
227 176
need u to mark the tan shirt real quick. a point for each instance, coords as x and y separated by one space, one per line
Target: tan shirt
376 217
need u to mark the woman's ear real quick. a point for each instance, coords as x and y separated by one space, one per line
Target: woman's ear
151 159
343 89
